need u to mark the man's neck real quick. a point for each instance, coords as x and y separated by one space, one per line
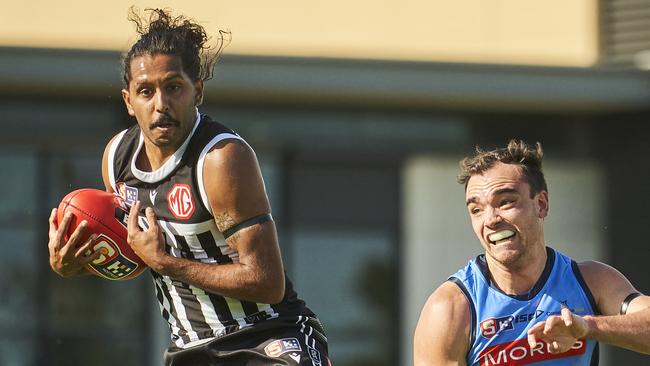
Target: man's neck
152 157
520 278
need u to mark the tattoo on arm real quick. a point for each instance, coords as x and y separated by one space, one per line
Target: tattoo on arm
229 229
225 222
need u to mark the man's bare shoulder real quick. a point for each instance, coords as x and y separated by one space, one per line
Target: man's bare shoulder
442 333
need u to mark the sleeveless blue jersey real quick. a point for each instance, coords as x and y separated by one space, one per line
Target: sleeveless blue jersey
499 322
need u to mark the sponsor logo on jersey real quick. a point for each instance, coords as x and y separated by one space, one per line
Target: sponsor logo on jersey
129 194
111 264
314 354
282 346
519 353
180 201
493 326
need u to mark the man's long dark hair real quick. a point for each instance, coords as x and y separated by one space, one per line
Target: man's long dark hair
161 33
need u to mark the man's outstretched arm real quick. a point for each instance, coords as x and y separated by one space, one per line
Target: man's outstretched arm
610 288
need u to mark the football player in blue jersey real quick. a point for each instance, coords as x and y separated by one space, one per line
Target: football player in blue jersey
522 302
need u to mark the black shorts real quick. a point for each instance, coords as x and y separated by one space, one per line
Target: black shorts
277 342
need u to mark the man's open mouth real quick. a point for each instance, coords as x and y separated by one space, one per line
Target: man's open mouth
499 236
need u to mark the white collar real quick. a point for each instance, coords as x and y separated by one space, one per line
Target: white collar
169 165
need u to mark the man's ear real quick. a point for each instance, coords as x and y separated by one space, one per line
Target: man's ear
126 96
542 202
198 98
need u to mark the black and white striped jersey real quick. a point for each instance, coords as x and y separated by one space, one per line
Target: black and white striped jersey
177 194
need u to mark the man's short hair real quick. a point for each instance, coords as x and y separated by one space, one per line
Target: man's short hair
517 152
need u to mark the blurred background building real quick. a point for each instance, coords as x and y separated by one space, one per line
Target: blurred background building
359 112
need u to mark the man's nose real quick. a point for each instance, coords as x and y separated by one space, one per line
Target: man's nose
493 217
162 101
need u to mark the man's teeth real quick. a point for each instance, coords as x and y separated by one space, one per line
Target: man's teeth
500 235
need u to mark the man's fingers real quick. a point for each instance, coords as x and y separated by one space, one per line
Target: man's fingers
86 247
52 221
63 227
549 324
567 316
555 347
532 339
132 224
91 257
536 328
78 233
151 218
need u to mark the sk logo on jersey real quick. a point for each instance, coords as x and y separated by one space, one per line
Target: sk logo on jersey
180 201
282 346
492 326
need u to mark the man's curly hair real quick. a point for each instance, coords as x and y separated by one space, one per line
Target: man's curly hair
161 33
527 157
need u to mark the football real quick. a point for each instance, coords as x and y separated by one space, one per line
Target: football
106 216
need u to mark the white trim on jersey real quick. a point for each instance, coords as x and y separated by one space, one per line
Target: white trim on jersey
111 159
308 331
207 309
171 239
166 305
201 162
189 232
223 246
268 309
169 165
192 229
180 310
237 310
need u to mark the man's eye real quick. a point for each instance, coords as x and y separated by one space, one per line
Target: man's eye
144 92
474 210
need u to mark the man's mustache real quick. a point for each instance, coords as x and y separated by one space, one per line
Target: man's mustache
163 120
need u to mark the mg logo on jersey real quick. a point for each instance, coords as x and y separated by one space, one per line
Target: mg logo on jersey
180 201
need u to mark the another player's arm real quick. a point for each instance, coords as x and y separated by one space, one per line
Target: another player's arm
236 194
610 289
442 333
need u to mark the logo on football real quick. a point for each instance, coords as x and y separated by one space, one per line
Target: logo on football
180 201
107 248
111 264
105 214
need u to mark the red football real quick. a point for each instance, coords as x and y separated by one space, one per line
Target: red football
105 213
